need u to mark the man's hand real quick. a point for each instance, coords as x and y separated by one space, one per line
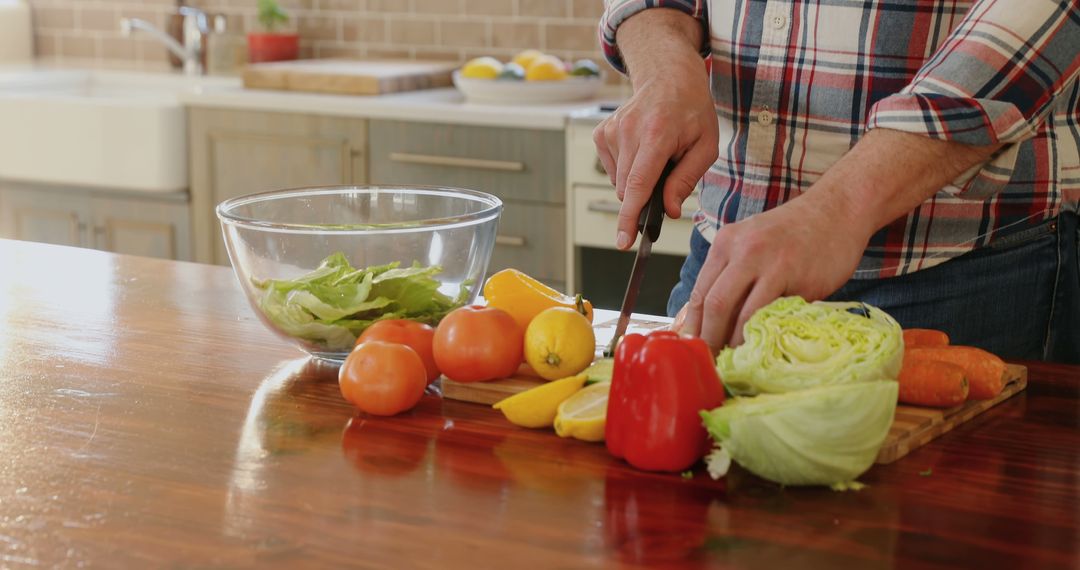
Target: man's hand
670 116
811 245
806 247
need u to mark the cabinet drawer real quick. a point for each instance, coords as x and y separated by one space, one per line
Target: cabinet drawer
514 164
596 212
583 164
532 238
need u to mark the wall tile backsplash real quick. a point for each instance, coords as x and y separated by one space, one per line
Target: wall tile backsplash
87 31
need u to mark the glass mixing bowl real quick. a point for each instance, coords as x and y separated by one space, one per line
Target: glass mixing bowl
319 265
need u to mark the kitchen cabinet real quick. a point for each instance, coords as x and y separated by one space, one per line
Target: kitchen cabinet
526 168
153 225
150 228
44 216
594 267
234 153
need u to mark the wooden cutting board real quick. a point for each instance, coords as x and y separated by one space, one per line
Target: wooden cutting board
912 426
349 77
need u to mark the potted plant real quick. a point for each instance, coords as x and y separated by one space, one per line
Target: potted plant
271 44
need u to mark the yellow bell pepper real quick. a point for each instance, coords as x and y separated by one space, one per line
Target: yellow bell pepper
524 297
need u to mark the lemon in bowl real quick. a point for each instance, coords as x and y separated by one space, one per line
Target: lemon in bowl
482 68
525 58
546 68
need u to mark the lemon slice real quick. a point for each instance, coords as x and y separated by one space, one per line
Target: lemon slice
536 407
582 415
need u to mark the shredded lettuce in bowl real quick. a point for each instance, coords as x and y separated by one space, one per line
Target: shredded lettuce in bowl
330 306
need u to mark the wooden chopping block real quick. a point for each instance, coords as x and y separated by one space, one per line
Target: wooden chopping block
349 77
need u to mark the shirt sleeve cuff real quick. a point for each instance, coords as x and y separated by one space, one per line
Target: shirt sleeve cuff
618 11
976 122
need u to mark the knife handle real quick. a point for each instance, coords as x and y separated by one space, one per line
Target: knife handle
652 215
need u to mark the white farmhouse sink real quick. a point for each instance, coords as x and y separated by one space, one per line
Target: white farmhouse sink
104 129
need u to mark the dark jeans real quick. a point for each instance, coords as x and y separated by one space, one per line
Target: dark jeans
1018 297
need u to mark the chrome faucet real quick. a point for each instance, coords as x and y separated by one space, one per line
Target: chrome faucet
194 30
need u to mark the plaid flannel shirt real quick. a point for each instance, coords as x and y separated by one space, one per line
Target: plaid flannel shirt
797 82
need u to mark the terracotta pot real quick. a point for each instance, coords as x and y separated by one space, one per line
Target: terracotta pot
273 47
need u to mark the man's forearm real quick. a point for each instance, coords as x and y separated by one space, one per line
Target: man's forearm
658 38
889 173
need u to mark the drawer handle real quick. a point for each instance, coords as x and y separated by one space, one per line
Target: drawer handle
511 241
460 162
603 206
612 207
599 166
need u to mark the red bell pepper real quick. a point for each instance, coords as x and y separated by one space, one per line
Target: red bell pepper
659 384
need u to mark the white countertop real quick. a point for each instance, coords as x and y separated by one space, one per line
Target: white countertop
445 105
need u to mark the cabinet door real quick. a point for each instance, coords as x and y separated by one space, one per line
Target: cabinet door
146 227
532 238
45 216
234 153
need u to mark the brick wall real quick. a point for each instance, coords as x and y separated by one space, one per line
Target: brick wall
86 31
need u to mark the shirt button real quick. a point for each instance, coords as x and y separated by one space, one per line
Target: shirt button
765 118
779 22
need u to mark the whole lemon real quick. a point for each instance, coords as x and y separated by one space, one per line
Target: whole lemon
546 68
559 342
482 68
525 58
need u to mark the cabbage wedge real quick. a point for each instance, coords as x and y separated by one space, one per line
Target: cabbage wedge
819 436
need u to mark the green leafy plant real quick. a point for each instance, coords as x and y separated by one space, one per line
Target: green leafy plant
272 15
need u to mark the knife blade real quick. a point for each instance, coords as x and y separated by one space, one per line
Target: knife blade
650 220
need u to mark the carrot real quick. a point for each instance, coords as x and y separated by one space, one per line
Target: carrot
932 383
925 337
984 371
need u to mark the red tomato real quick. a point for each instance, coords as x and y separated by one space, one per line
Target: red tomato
383 379
474 344
417 336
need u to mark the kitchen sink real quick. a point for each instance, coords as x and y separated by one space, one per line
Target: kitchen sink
107 129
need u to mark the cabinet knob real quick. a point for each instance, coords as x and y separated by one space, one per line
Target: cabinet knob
599 166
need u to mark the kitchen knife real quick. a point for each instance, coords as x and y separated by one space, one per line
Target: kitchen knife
649 222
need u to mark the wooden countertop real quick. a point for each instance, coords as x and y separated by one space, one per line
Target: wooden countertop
148 420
